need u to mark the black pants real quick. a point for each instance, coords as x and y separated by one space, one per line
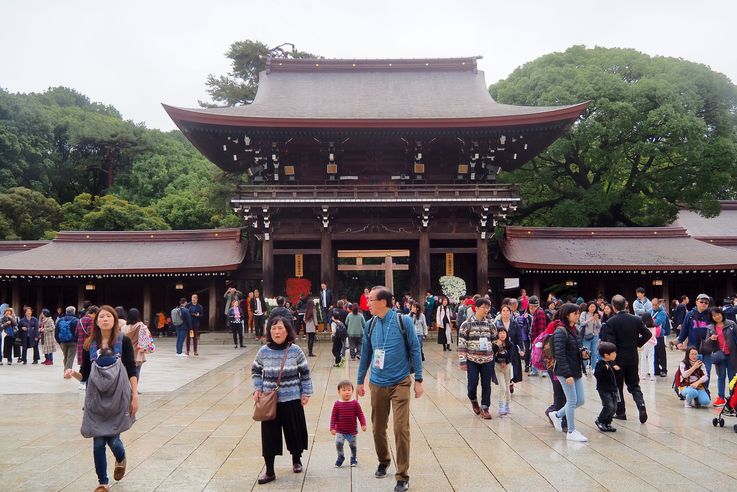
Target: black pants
629 375
8 348
661 363
290 419
258 325
23 347
32 343
528 353
608 406
310 342
338 349
559 397
237 330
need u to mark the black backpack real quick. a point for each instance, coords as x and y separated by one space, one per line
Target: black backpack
402 330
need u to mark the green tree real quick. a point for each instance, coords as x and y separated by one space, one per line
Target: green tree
27 214
659 133
248 58
109 213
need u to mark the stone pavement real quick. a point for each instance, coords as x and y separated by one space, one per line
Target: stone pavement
194 433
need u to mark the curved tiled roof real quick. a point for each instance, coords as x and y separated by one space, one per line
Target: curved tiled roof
611 248
94 253
359 93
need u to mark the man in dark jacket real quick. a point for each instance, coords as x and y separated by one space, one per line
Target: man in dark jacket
628 333
280 310
694 328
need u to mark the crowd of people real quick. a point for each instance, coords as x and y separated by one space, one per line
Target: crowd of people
618 343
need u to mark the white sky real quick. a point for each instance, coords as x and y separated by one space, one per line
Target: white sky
137 54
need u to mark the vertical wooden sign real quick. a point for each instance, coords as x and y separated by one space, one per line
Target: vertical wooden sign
449 269
299 269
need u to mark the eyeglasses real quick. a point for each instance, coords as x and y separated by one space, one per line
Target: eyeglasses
703 301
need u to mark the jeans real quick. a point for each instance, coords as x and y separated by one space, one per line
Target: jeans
138 373
474 371
707 369
574 398
181 335
419 340
608 406
593 347
725 371
340 440
98 452
700 394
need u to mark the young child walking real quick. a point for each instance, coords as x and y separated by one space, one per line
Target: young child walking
502 349
606 384
343 422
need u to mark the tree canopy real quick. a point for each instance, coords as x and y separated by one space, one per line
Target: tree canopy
67 162
659 133
248 58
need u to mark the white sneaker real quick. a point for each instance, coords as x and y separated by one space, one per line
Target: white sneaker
82 386
576 436
557 421
543 374
181 355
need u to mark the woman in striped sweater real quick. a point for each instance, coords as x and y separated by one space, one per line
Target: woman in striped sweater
294 390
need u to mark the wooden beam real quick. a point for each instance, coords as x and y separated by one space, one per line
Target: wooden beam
267 262
482 266
442 251
368 268
295 251
326 259
212 307
147 314
424 263
372 253
15 299
388 274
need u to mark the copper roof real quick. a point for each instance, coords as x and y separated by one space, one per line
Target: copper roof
608 249
94 253
428 93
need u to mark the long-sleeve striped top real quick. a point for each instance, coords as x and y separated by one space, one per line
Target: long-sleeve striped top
469 341
295 381
343 418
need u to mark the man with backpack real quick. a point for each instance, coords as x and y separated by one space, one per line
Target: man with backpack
391 353
182 321
66 336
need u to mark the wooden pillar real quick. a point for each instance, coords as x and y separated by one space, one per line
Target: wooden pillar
15 300
482 266
326 260
601 288
39 299
213 308
3 293
728 285
80 294
389 274
536 289
424 263
147 314
666 295
267 264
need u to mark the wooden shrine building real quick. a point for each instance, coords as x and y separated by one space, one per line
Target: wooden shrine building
368 172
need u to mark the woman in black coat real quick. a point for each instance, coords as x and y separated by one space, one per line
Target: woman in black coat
569 356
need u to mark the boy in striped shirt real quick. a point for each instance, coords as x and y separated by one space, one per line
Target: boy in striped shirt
343 422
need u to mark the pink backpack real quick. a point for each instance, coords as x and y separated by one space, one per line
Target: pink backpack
537 357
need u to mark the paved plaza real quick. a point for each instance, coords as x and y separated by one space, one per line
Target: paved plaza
194 433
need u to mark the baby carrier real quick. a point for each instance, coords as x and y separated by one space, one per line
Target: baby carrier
108 397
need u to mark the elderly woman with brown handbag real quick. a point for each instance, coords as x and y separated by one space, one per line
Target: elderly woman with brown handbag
281 366
48 344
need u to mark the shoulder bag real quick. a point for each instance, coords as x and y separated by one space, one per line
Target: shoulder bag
264 410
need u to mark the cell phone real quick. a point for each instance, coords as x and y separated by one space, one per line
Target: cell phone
700 357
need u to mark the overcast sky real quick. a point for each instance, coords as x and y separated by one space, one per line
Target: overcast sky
137 54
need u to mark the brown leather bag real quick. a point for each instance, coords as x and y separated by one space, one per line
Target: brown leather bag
264 410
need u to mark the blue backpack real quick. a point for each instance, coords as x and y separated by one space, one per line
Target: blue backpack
64 328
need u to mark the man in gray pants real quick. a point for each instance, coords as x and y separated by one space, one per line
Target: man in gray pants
66 336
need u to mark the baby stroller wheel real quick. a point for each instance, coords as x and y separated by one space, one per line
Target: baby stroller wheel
715 422
721 422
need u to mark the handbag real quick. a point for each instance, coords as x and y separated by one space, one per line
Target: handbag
264 410
708 346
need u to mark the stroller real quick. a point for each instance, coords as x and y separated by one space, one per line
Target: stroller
730 408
